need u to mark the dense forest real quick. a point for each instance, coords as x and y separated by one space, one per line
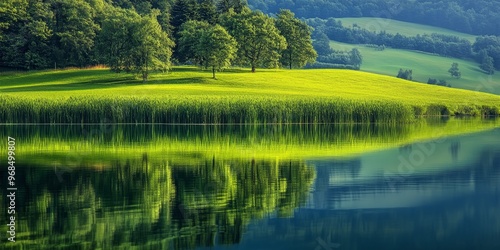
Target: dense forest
479 17
143 35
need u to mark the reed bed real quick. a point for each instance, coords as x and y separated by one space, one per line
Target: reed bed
208 110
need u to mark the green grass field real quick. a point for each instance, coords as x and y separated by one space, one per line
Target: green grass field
425 66
404 28
188 95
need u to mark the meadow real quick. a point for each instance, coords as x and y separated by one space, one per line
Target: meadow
189 95
424 66
404 28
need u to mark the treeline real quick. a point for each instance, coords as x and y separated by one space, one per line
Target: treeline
435 43
480 17
485 50
145 35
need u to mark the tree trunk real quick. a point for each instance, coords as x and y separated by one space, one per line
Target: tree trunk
253 68
213 72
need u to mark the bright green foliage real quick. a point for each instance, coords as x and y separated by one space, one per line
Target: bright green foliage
216 48
151 46
259 41
114 46
299 49
187 45
133 43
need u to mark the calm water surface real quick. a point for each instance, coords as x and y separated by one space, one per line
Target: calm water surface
320 187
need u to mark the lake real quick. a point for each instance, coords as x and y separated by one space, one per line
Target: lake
434 184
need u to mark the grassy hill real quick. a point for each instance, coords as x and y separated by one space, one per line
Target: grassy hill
188 95
404 28
424 66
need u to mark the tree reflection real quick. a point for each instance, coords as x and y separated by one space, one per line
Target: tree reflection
145 203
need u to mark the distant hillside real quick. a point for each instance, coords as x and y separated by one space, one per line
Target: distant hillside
404 28
480 17
424 66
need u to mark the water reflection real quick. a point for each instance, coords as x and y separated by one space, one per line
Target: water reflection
136 202
258 187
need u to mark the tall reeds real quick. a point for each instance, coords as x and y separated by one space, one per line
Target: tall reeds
217 110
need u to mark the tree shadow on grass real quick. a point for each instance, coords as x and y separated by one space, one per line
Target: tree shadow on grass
193 69
105 84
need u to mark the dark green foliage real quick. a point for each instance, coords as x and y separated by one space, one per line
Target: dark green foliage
74 32
469 16
405 74
224 6
454 71
207 11
27 40
181 12
438 82
324 65
432 81
486 62
434 43
491 46
352 59
356 58
322 45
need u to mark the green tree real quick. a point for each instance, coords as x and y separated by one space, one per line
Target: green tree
206 45
259 41
217 48
189 37
486 62
10 12
113 44
299 50
356 58
224 6
405 74
152 47
181 12
133 43
207 11
27 41
322 45
454 71
74 32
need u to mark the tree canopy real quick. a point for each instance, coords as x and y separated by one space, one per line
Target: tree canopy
143 35
259 41
299 49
